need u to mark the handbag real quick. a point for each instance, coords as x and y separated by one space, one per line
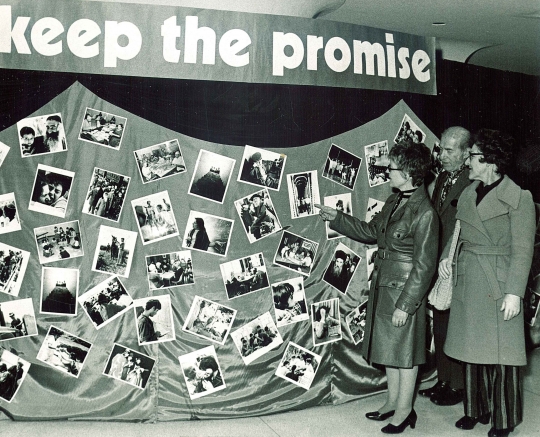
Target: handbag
440 295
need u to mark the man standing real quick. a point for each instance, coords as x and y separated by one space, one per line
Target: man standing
146 325
455 144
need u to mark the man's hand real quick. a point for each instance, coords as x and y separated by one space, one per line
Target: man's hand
327 213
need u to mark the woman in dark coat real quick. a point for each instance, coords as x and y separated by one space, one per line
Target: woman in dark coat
494 256
407 232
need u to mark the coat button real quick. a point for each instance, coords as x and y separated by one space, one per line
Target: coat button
376 268
382 230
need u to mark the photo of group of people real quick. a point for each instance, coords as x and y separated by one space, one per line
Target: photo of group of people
244 275
51 190
9 217
341 268
106 194
17 319
41 135
154 319
155 217
13 263
258 215
57 242
326 321
129 366
290 301
303 189
298 365
356 322
202 372
341 167
209 320
296 253
102 128
13 370
169 270
114 251
409 131
211 176
59 291
160 161
208 233
341 202
377 163
262 168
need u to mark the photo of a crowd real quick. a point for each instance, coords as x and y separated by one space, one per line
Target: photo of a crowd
59 291
377 163
114 251
106 194
296 253
155 217
409 131
202 372
208 233
101 128
41 135
290 301
303 189
9 216
298 365
341 202
105 302
256 338
244 275
341 167
374 207
209 320
154 319
64 351
160 161
211 176
341 268
13 263
262 167
129 366
13 370
326 321
17 319
173 269
51 190
356 322
59 241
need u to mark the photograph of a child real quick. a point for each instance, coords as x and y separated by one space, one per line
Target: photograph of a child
409 131
303 191
208 233
114 251
160 161
258 215
166 270
9 216
209 320
262 167
341 167
296 253
341 268
13 263
377 163
155 217
129 366
58 241
341 202
106 194
374 207
202 372
356 322
245 275
102 128
13 371
256 338
211 176
326 322
59 291
41 135
51 190
154 319
4 150
290 301
298 365
17 319
64 351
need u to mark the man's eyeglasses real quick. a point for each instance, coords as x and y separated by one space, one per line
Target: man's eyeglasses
394 169
471 154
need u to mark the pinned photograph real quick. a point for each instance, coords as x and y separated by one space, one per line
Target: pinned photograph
341 167
290 301
64 351
17 319
59 291
258 215
160 161
129 366
409 131
58 241
208 233
436 164
245 275
166 270
114 251
296 253
256 338
298 365
105 302
154 319
41 135
530 307
356 322
325 322
341 202
371 256
202 372
9 216
102 128
14 370
209 320
106 194
262 167
155 217
51 190
377 163
303 193
4 150
211 176
13 263
374 207
342 267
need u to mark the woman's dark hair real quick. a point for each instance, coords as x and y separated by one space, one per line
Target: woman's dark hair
497 148
413 158
208 362
200 223
282 294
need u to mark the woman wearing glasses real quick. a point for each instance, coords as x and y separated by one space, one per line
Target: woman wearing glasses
407 233
494 257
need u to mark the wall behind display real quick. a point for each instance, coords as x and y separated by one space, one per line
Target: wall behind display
251 390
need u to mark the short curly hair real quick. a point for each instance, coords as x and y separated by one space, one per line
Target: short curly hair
497 148
413 158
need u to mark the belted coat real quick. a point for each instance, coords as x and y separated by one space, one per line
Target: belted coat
405 264
494 257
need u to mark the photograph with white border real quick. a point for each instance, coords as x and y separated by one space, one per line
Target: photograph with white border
377 163
341 167
168 270
290 301
530 307
209 320
326 321
19 319
18 367
50 194
130 366
114 251
341 268
59 241
409 131
13 263
64 351
374 207
262 168
4 150
41 135
106 194
102 128
303 189
160 161
296 253
211 176
356 322
9 218
371 255
244 275
341 202
59 291
202 372
105 302
154 319
256 338
208 233
298 365
155 217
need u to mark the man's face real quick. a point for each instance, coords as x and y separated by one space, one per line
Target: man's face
339 265
50 193
256 201
52 126
154 311
451 157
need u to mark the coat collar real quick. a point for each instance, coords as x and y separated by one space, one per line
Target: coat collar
414 202
456 189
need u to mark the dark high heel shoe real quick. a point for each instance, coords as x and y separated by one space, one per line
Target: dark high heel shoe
398 429
375 415
502 432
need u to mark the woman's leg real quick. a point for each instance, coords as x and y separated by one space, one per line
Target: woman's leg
392 377
406 388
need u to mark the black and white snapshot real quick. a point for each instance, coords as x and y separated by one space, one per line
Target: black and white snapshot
209 320
298 365
17 319
13 370
59 241
155 217
51 190
326 322
173 269
290 301
303 189
102 128
41 135
13 263
341 167
211 176
9 215
160 161
129 366
114 251
59 291
245 275
208 233
262 167
377 163
296 253
106 194
154 319
202 372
